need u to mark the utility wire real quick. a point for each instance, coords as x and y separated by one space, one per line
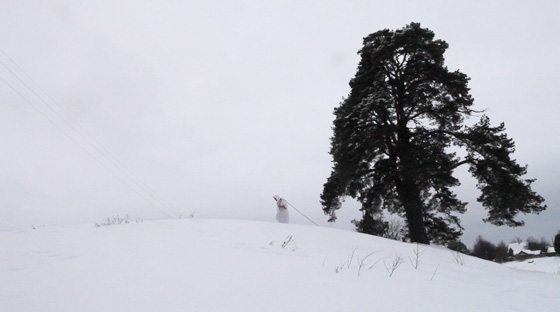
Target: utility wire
81 147
98 146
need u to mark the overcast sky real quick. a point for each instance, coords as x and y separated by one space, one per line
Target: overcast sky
158 108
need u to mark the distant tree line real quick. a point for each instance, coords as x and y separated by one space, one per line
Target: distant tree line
500 253
486 250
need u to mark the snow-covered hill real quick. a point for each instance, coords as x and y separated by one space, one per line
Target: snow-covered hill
219 265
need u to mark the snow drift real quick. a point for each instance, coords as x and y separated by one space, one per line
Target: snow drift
227 265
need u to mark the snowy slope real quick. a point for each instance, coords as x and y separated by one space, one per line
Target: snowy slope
218 265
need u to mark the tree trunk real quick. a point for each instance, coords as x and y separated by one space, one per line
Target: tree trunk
410 198
408 191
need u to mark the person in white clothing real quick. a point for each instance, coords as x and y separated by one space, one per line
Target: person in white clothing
282 214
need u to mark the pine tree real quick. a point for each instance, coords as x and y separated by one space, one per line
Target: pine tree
557 243
392 139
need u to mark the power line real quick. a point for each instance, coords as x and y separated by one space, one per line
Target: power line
97 147
81 147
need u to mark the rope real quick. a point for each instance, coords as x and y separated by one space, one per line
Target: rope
301 213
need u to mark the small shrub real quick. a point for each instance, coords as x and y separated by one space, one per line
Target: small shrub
394 265
396 229
415 261
362 262
458 258
115 220
371 224
458 246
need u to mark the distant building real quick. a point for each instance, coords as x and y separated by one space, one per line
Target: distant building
520 251
526 253
515 248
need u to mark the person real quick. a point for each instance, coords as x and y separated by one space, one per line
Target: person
282 214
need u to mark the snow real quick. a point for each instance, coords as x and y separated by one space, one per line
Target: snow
546 264
235 265
518 247
522 247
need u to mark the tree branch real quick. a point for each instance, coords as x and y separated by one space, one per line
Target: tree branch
450 168
463 162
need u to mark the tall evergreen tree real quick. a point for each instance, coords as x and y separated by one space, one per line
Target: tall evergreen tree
392 139
556 243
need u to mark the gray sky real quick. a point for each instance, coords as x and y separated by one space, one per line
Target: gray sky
214 106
